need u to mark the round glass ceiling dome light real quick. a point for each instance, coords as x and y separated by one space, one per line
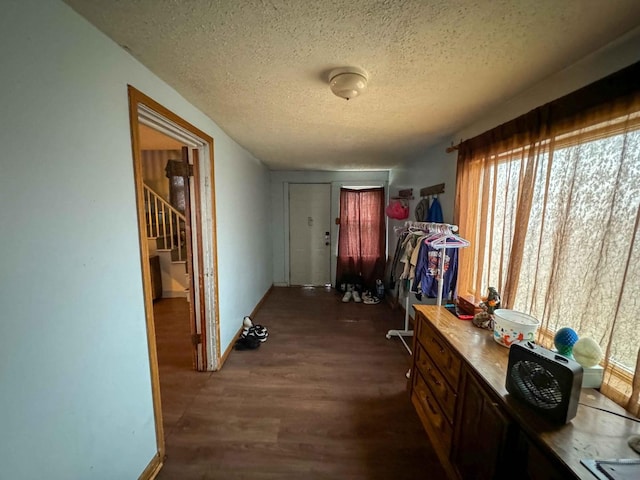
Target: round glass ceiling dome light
348 82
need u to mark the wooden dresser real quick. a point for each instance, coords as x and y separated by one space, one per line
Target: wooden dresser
479 431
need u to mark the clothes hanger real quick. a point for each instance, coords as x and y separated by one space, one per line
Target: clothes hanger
450 240
433 236
437 231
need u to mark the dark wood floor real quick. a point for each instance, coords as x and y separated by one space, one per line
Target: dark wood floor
324 398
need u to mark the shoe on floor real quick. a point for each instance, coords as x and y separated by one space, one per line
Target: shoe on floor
356 297
371 300
347 296
259 332
248 343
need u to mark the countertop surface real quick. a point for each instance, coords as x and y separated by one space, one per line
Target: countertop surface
592 434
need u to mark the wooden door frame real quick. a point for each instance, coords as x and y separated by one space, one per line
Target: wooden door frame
210 336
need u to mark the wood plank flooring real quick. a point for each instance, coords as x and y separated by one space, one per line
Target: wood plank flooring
324 398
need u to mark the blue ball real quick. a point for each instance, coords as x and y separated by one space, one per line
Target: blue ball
564 340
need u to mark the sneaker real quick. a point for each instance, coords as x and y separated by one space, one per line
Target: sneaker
356 296
248 343
259 332
347 296
371 300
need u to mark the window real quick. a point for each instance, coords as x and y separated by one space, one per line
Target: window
552 206
568 228
361 242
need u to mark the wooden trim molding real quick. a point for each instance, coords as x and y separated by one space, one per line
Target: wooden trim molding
200 255
146 272
214 246
136 96
152 469
137 99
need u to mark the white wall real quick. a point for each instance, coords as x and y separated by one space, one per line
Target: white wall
244 245
437 166
280 181
74 371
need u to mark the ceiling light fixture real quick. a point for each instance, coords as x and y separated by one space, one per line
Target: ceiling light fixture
348 82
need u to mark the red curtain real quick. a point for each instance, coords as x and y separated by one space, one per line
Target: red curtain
361 243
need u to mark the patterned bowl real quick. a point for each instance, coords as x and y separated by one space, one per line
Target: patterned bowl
510 326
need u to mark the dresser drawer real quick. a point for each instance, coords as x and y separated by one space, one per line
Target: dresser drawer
445 395
440 352
439 429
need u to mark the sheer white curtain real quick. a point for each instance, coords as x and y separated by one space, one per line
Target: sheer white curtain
552 208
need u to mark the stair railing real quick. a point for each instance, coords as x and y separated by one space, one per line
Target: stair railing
164 222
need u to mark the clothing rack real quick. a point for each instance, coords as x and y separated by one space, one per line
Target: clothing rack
446 230
431 227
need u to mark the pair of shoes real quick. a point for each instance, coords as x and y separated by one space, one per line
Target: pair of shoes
348 293
247 343
369 299
351 293
250 330
257 331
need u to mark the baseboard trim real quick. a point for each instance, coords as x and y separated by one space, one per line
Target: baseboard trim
226 353
152 469
261 302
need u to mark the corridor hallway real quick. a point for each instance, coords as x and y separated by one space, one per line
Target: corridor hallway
323 398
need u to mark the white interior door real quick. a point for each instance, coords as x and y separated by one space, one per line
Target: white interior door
309 234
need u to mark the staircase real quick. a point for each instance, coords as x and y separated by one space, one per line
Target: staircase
166 238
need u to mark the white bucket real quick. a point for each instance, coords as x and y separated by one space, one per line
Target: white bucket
510 327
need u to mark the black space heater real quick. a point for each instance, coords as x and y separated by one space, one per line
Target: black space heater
544 380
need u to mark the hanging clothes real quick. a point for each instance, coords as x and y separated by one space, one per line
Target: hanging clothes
411 243
393 274
435 212
427 269
421 210
421 250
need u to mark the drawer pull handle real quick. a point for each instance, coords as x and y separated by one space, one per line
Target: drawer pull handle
433 378
438 345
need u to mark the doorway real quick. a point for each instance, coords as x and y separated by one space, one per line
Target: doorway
310 234
186 231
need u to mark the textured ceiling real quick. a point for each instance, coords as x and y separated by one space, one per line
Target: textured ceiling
259 68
